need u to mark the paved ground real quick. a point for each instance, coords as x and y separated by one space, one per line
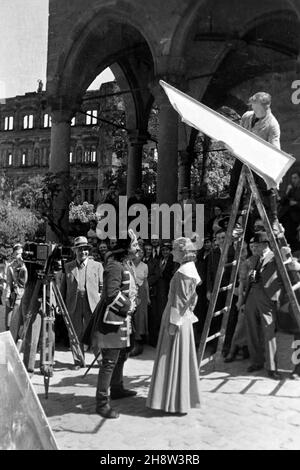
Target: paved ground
238 411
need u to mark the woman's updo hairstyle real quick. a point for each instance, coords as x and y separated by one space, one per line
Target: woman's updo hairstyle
187 246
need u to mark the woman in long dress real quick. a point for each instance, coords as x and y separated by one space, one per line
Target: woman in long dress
174 385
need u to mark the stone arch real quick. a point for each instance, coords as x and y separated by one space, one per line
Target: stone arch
118 35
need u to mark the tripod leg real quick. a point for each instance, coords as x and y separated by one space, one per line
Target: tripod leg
32 329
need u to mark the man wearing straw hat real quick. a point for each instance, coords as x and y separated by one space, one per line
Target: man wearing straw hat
81 288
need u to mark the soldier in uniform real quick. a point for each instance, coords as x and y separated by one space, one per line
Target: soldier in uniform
111 324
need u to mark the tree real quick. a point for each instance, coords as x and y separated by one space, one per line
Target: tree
211 169
16 225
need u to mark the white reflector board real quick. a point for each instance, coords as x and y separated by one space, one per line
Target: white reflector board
23 423
266 160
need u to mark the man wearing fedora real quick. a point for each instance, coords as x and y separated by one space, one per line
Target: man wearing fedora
81 286
262 301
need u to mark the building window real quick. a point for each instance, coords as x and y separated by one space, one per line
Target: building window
10 159
24 158
93 155
8 123
91 118
28 121
73 121
47 120
71 157
86 195
86 156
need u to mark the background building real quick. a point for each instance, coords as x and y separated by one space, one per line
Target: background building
25 135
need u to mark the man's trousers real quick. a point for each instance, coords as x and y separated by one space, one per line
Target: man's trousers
260 323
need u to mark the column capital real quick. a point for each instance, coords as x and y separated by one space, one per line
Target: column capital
62 109
177 80
61 115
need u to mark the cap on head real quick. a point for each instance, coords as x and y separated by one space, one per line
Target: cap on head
80 242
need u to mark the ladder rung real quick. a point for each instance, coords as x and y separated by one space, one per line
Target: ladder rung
219 312
232 263
210 338
207 360
296 286
222 289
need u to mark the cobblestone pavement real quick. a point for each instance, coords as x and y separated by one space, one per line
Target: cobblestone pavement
238 411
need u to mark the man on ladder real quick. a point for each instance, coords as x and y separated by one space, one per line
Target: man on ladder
261 122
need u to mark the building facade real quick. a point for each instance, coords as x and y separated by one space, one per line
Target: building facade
25 137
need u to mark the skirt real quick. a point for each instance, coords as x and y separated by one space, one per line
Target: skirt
175 384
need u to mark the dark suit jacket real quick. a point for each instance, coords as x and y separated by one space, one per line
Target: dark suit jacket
153 273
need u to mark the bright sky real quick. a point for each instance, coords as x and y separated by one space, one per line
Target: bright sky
23 47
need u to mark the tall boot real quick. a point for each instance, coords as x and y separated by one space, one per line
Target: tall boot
138 348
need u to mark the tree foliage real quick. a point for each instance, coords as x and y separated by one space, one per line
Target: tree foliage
16 225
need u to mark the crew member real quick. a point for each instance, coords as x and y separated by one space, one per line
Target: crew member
17 277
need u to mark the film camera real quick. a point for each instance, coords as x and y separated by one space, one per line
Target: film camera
50 256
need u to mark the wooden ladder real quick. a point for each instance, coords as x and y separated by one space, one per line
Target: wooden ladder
290 278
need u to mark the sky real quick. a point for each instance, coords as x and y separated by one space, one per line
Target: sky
23 47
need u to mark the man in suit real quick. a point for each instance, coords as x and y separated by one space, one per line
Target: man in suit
167 268
153 278
81 286
260 308
156 250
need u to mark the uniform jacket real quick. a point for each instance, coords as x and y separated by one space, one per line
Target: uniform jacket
111 317
69 284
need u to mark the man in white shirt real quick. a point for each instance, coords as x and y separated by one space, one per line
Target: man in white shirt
261 122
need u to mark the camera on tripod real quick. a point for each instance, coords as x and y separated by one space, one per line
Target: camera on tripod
50 256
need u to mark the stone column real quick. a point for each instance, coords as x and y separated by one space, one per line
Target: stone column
167 165
59 165
185 164
137 139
